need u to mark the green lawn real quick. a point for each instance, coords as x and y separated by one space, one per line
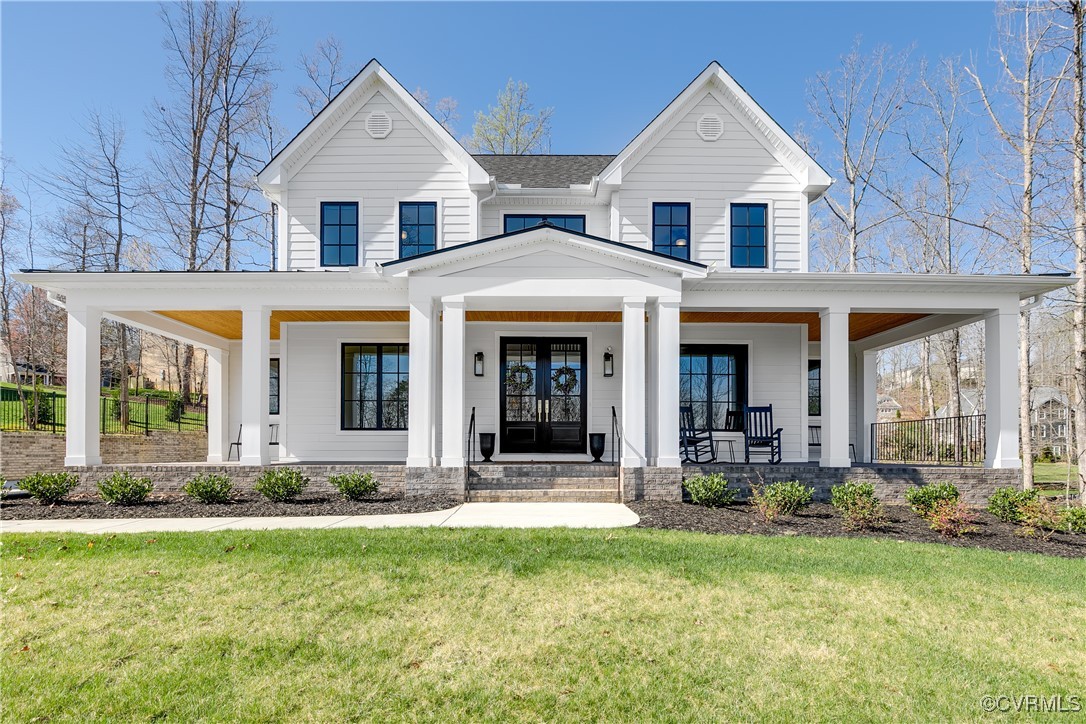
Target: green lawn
11 414
449 625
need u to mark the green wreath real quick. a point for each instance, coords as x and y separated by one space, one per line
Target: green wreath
564 379
519 379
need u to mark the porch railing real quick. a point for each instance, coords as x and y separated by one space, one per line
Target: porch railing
956 441
471 439
135 416
616 436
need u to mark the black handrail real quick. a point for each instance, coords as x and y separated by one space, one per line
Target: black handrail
953 441
471 438
616 434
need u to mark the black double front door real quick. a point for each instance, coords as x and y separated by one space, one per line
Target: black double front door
544 394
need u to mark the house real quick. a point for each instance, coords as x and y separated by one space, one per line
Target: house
425 293
1050 411
970 402
887 408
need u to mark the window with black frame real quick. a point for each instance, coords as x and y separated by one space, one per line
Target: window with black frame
374 387
749 236
671 229
516 222
814 387
273 386
418 227
339 233
712 382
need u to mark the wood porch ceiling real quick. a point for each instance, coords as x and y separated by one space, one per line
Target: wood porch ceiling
227 322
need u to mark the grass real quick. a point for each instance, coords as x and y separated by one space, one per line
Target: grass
527 625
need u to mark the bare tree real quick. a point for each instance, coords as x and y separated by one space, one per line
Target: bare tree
859 103
445 111
242 95
513 126
327 72
1023 50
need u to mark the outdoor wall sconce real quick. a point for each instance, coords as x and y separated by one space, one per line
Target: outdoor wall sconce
478 364
608 363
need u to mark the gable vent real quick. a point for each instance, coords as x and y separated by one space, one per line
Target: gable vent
378 124
710 127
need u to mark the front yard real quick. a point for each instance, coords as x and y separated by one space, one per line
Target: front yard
545 624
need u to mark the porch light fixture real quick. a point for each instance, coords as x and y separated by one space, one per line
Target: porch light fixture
608 363
478 364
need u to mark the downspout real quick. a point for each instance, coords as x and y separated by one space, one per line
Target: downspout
479 207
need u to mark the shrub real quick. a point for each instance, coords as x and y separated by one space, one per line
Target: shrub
712 490
1040 519
777 499
121 488
354 486
174 409
926 498
952 518
209 488
1006 503
281 484
1074 520
49 488
859 506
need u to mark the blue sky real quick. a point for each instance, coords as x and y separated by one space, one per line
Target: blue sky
607 68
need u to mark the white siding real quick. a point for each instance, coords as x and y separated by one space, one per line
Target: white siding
312 371
597 218
710 176
776 376
379 173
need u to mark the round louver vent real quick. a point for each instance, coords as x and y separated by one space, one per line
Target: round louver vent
378 124
710 127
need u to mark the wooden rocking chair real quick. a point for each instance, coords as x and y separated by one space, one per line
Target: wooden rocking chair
695 443
760 435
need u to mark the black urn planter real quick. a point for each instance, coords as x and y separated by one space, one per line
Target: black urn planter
596 441
486 445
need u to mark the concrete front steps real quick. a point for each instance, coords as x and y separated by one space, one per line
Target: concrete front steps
545 482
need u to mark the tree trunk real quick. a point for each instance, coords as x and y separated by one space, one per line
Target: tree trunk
1078 148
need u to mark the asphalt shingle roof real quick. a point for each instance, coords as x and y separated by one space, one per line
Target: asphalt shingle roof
543 171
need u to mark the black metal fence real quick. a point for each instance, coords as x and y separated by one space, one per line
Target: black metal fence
955 441
47 411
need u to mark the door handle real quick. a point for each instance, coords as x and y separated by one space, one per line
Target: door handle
538 407
546 411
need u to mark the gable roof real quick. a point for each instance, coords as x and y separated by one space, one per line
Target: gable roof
549 171
341 108
761 125
545 232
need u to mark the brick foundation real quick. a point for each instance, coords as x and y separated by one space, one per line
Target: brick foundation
23 453
450 482
891 482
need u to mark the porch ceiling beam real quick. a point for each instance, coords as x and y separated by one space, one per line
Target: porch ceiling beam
933 324
157 324
195 298
875 302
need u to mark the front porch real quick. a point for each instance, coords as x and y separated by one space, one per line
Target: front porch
541 338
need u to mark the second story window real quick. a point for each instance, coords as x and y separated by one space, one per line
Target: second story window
339 233
749 236
671 229
516 222
418 227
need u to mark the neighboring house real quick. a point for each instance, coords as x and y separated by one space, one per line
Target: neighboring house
7 366
887 409
970 402
1050 413
534 295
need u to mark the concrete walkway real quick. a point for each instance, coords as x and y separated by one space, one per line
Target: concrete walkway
468 515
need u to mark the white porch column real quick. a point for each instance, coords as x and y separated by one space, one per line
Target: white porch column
633 382
667 384
867 372
420 399
1001 390
452 384
255 331
218 405
835 397
83 416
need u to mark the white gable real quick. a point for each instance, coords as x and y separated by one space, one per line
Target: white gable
550 264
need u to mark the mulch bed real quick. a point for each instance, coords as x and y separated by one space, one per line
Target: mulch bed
166 505
824 520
